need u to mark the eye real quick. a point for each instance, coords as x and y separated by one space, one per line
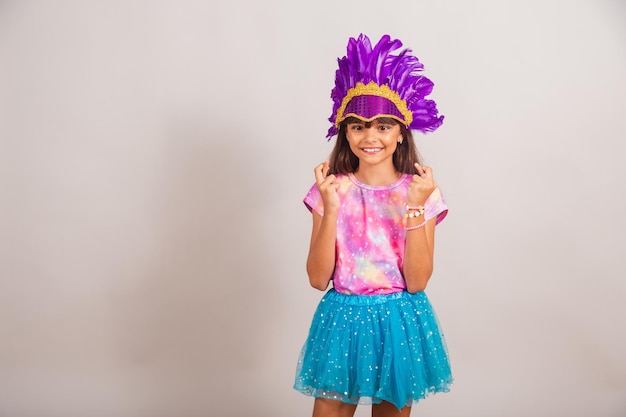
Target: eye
355 127
384 127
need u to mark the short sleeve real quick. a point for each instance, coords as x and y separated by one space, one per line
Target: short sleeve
435 206
313 200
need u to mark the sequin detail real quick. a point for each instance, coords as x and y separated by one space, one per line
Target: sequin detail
368 108
365 349
373 89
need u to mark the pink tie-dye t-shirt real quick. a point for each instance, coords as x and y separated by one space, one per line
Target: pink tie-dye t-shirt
370 233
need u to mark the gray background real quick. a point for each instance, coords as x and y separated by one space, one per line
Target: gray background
153 158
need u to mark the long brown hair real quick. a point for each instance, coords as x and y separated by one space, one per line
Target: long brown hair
344 161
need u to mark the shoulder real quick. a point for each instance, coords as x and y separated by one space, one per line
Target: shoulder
436 195
436 206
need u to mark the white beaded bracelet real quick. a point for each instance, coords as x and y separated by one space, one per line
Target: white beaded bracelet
414 214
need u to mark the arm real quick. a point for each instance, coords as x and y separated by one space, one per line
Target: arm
419 254
420 243
320 263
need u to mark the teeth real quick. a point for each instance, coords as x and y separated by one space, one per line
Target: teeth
372 149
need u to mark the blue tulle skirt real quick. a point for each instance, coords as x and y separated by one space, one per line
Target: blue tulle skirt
365 349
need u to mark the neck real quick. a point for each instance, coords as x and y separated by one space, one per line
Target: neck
377 175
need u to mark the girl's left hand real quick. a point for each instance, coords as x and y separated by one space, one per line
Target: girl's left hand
421 186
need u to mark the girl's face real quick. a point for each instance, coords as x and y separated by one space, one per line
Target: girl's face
373 142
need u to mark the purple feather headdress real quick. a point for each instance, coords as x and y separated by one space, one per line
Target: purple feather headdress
373 82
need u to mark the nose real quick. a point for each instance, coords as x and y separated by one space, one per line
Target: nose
370 133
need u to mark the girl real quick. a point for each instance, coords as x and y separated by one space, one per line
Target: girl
374 337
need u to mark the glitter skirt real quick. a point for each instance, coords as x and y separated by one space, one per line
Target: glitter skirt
365 349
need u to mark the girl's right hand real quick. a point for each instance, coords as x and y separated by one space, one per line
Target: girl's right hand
327 186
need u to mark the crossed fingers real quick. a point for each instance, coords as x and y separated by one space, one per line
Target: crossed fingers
321 171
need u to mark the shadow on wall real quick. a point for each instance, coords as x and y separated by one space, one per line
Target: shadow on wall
197 330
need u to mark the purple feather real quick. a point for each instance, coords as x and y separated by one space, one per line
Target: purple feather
400 72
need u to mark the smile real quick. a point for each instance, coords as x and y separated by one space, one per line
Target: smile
371 150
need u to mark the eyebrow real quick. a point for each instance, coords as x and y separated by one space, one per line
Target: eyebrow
369 124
